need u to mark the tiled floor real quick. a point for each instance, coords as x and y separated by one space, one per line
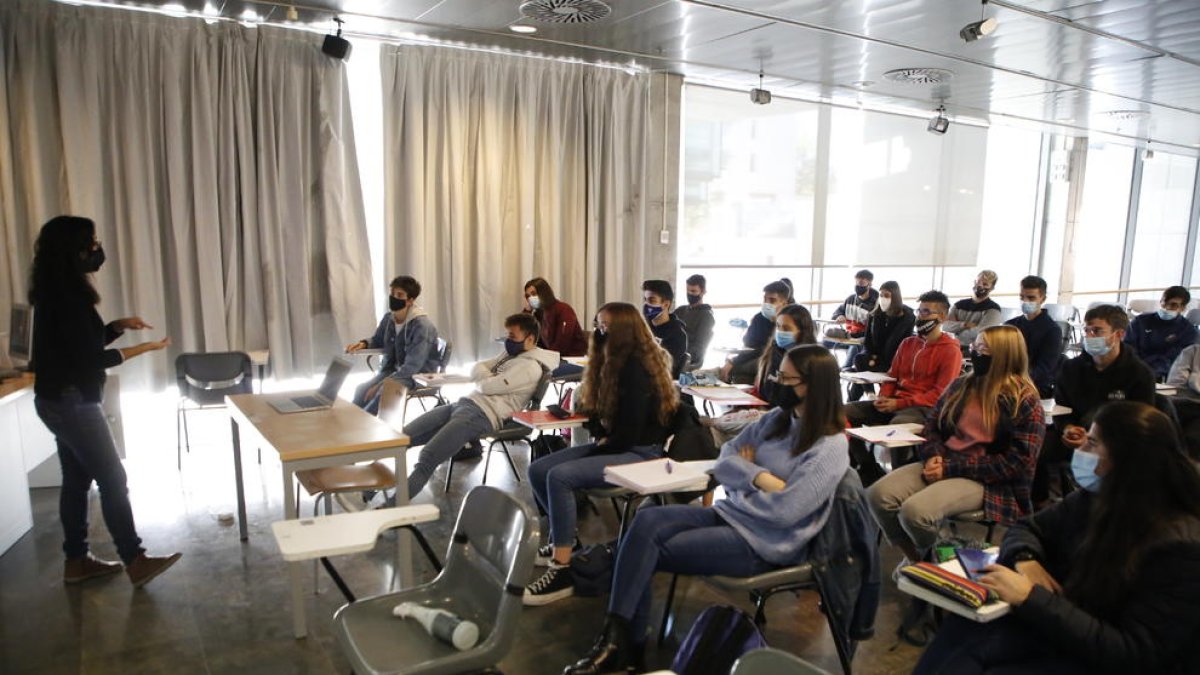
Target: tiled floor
225 607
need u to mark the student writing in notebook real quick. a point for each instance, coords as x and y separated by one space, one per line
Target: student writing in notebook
779 476
1105 580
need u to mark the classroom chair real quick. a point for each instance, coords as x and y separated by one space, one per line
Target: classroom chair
973 518
444 351
771 661
204 379
490 557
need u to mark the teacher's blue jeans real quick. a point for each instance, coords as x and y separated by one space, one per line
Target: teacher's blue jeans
677 538
87 453
556 477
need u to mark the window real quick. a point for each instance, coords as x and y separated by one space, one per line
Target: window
1164 208
1100 228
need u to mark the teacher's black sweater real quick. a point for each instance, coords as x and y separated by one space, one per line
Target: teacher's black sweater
70 348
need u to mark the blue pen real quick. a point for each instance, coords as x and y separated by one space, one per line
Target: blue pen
668 465
891 433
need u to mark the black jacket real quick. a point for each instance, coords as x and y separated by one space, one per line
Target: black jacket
69 348
1084 389
884 335
698 321
674 339
755 339
1043 340
636 420
1156 629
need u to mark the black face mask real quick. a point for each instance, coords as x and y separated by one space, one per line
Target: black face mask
981 364
95 258
599 337
694 299
785 397
396 304
981 292
926 326
859 290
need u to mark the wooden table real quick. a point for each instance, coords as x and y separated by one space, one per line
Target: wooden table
343 434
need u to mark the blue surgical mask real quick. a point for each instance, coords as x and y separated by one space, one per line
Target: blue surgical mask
1083 467
514 347
769 311
1166 314
534 301
784 339
1028 308
1096 346
651 312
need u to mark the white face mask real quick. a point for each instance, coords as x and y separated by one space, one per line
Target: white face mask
885 303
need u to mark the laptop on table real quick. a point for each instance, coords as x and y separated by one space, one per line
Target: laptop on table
321 399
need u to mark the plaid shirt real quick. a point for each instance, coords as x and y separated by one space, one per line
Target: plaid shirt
1005 466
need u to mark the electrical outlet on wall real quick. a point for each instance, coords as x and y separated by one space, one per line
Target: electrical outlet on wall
664 237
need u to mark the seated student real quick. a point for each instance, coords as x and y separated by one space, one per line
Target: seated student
852 315
793 326
1103 582
1105 371
1159 337
1043 337
503 385
560 329
981 447
1185 377
659 299
628 392
780 475
698 320
742 367
973 314
924 365
888 325
408 339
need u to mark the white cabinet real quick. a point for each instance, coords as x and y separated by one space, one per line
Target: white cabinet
16 518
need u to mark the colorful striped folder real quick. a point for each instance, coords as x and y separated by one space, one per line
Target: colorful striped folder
948 584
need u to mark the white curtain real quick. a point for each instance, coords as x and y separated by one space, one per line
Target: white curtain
499 168
217 161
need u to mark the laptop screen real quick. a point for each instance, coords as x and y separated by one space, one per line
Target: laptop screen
338 369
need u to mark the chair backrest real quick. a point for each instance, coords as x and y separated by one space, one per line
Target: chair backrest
1007 313
771 661
207 377
1060 312
1143 305
1193 316
539 392
445 350
489 560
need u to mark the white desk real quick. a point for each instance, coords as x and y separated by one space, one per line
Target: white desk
866 377
580 361
872 435
343 434
988 612
722 395
440 379
344 533
1052 409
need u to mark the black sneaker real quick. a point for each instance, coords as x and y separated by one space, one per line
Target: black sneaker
555 583
545 553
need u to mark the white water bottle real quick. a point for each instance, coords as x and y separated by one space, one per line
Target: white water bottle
443 625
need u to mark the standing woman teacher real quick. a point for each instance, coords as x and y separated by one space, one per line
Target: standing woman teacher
70 356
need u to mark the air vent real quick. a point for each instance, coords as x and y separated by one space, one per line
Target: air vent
1127 115
565 11
919 75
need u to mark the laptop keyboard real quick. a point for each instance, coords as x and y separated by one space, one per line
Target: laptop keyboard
308 401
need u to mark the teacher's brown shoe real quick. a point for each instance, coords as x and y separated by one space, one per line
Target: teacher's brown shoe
88 567
144 567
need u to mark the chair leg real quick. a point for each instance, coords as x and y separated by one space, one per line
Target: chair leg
487 461
666 618
760 608
625 517
449 473
511 464
178 438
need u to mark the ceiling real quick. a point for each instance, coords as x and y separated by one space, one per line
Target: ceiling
1127 70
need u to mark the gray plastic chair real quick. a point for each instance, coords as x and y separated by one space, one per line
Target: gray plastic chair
490 557
771 661
204 379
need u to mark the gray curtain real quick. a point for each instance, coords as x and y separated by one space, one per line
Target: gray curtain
217 161
500 168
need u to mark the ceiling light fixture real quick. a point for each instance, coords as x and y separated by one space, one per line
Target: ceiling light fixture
979 29
939 123
522 28
760 96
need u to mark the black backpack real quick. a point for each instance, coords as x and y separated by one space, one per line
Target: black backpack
718 638
691 440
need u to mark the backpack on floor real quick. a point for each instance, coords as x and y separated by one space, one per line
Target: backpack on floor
592 569
545 444
720 635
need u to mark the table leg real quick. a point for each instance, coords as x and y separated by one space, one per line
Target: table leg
295 570
404 568
243 531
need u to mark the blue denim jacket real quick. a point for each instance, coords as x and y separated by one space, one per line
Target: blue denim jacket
845 560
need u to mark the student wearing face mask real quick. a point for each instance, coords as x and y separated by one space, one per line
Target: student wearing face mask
973 314
698 320
779 475
793 326
503 386
741 368
408 339
658 299
924 365
1105 371
1185 378
1159 337
1104 581
1042 335
981 445
854 313
560 329
890 324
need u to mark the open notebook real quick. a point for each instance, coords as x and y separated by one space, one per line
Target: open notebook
653 476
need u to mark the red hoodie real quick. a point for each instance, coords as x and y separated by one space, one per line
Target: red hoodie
922 371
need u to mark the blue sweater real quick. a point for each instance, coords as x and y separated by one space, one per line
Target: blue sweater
779 525
1159 342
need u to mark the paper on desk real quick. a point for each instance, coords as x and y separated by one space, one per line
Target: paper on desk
652 476
720 393
889 433
870 377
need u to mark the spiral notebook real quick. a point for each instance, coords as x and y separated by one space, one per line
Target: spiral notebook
660 475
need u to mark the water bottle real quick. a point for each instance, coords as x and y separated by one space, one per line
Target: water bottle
441 624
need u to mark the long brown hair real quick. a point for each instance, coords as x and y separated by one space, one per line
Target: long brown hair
897 306
545 293
1006 384
806 334
628 336
822 407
